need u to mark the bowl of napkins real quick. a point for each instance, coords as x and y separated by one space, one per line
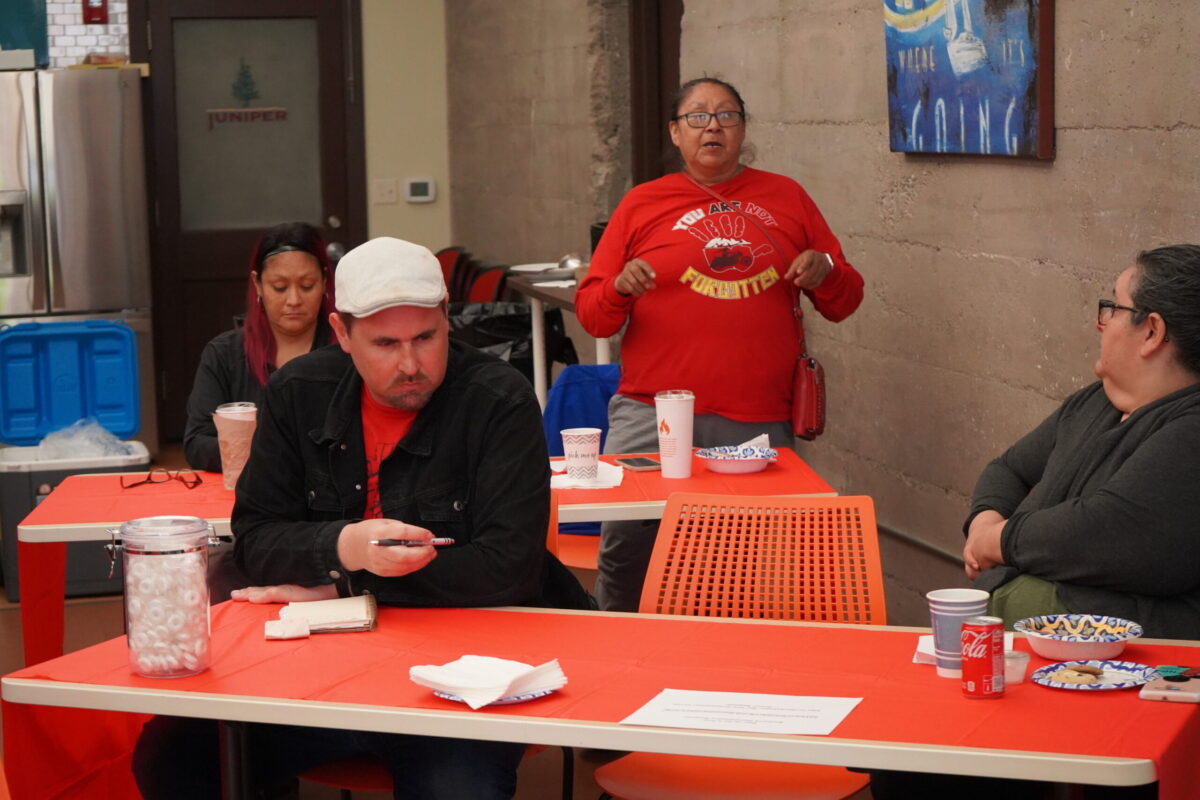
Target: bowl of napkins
751 456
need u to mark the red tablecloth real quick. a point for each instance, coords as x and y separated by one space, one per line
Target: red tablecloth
98 502
788 475
88 499
614 665
93 501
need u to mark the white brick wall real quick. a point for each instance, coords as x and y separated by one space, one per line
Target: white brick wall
71 40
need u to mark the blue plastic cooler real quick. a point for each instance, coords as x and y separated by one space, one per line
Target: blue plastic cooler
53 374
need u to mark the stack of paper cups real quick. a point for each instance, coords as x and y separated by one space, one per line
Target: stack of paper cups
235 429
673 413
947 610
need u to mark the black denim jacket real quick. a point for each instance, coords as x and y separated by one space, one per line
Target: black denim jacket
473 467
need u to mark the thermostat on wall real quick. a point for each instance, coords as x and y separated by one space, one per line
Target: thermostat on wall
420 190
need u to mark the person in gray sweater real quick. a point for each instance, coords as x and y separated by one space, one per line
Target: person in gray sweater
1096 510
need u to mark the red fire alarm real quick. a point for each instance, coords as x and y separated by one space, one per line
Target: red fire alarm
95 12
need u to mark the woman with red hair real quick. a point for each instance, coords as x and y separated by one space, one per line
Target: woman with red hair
288 300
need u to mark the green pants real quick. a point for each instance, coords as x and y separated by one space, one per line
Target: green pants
1025 596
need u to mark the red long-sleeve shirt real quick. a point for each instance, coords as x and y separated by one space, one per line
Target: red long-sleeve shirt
719 321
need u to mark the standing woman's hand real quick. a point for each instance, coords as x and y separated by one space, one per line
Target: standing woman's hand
635 279
809 269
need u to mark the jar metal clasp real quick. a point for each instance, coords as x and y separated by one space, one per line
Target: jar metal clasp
115 545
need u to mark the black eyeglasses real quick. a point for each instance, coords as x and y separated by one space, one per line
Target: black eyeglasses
699 119
187 477
1107 308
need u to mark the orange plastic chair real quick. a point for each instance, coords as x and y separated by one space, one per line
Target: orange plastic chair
358 774
791 558
574 550
462 278
553 540
368 774
579 550
449 257
487 284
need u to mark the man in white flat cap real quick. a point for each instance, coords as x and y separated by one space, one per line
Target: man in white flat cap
397 432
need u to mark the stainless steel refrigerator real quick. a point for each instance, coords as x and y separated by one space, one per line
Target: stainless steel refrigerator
74 231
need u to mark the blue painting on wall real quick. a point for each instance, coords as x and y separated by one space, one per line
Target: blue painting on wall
970 76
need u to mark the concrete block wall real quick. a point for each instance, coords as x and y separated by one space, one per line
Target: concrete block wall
71 40
538 109
982 274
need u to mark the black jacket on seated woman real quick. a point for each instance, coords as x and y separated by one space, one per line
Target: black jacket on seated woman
289 295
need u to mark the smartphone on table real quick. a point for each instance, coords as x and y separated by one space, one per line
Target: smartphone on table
639 463
1174 685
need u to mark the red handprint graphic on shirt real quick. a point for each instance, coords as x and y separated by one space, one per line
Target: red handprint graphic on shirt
725 246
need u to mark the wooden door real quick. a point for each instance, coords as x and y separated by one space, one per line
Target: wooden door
255 118
654 33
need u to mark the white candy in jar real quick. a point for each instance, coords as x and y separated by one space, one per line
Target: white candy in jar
166 595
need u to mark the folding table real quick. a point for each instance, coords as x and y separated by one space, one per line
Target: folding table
908 719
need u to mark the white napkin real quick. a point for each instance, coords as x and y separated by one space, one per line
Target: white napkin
762 440
567 284
287 628
924 652
480 680
608 476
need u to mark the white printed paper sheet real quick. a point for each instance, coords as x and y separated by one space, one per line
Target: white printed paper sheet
742 711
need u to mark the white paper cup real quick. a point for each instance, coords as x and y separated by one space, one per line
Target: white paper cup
235 429
581 446
947 610
673 411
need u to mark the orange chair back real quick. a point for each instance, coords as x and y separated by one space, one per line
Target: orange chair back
449 257
552 528
812 559
487 285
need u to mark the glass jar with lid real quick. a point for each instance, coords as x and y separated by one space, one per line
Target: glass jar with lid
166 594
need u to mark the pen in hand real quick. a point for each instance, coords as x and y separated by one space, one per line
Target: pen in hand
410 542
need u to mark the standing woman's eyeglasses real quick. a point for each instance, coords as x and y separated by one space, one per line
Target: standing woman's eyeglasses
1107 308
189 478
699 119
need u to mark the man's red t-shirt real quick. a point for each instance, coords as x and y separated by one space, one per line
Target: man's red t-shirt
383 428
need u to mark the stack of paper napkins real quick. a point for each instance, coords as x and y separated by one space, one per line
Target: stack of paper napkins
298 619
925 655
480 680
608 476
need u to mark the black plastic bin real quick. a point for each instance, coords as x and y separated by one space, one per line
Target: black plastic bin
24 482
505 330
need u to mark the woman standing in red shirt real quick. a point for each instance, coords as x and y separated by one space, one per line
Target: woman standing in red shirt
707 289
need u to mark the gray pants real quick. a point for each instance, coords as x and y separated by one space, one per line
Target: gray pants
625 546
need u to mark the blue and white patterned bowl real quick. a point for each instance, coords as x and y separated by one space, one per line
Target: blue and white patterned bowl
735 458
1077 637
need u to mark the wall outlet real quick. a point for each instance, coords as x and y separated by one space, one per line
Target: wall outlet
385 190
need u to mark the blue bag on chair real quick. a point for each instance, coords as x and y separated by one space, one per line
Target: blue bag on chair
579 399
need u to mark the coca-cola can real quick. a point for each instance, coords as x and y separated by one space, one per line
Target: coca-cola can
983 657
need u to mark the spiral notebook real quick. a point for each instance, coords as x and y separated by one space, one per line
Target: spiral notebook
356 613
